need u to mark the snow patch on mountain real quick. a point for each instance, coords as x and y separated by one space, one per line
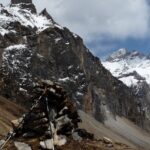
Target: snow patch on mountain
16 14
18 47
129 81
16 59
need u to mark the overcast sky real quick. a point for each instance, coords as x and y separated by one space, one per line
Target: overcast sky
105 25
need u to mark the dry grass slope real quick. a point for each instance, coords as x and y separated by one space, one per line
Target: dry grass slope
8 111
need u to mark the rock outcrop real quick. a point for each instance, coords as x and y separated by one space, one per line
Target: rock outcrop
22 146
46 14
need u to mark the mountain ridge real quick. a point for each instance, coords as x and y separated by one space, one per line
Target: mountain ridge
125 54
36 50
31 51
133 70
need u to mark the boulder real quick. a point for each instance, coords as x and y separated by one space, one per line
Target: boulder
60 140
76 137
107 140
22 146
84 134
16 122
47 144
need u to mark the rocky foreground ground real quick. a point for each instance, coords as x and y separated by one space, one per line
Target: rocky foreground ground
30 50
9 113
71 145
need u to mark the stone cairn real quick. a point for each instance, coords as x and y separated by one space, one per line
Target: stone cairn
52 116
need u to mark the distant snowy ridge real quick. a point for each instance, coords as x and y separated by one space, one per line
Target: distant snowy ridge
133 69
118 54
129 67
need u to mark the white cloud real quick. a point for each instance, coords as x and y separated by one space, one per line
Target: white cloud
116 19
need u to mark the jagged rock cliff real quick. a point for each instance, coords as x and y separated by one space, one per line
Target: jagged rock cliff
34 47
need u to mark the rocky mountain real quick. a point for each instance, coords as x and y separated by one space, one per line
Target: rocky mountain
34 47
133 69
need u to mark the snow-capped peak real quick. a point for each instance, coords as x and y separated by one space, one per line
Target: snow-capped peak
124 54
118 54
15 13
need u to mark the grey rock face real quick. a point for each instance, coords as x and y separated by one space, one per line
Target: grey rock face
59 55
29 6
